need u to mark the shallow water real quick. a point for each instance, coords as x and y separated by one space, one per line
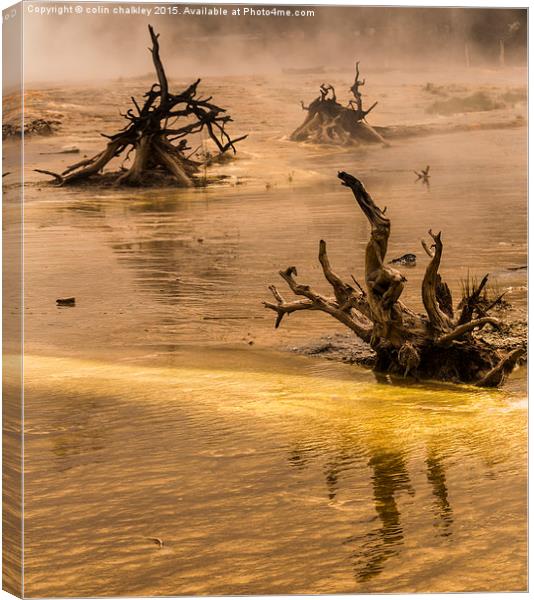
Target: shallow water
263 473
174 267
161 407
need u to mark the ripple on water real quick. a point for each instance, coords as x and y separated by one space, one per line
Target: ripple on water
250 479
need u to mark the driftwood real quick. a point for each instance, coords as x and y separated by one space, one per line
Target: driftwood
154 140
439 345
329 122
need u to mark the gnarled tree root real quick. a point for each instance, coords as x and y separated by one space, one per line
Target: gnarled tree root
154 135
329 122
438 345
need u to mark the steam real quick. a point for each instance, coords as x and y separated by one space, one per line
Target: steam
60 47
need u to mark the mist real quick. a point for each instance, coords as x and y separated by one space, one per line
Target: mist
71 47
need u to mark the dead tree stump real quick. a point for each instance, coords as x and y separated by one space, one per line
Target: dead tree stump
154 140
439 345
329 122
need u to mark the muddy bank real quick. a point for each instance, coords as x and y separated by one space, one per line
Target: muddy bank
341 347
165 282
155 179
349 349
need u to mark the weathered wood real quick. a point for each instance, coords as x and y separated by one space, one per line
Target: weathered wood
438 345
329 122
497 375
439 319
159 149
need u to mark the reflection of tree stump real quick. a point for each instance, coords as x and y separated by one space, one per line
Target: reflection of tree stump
424 175
329 122
156 135
439 345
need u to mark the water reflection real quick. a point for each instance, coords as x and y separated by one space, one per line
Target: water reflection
370 550
340 461
370 553
436 478
297 458
310 483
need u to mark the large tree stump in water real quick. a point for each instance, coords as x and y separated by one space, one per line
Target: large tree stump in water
329 122
156 135
437 345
